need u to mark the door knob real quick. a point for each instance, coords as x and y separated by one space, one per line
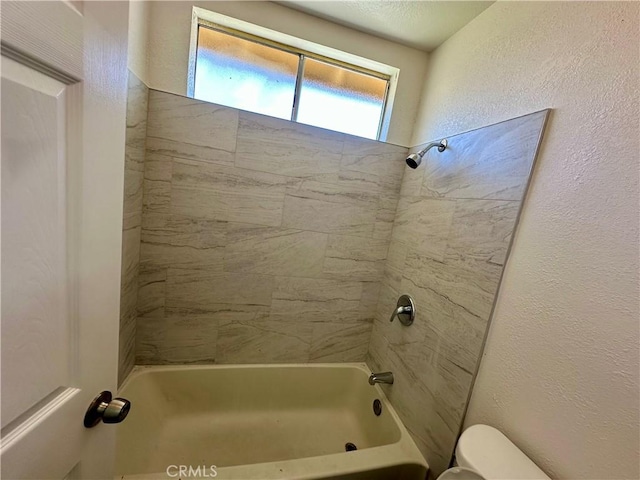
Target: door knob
107 409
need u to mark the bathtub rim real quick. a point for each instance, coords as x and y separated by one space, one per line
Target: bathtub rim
404 447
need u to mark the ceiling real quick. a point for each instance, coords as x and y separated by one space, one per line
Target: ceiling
421 24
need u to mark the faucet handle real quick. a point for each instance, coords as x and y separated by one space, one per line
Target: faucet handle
405 310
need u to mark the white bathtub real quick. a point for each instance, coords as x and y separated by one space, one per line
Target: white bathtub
261 422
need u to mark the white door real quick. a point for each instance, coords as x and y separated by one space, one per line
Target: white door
63 126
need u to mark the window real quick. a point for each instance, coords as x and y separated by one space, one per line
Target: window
239 69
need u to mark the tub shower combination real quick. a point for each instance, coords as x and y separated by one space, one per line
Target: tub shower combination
263 422
269 248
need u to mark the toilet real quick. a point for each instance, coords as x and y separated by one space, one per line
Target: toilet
485 453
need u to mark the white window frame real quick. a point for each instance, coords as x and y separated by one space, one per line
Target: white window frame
210 19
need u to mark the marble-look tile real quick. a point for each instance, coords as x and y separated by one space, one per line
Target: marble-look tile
274 251
292 149
130 267
447 382
227 193
151 291
445 326
379 165
424 224
156 197
377 354
316 300
132 206
183 231
135 138
468 289
157 167
126 345
328 208
397 254
354 257
335 342
369 299
136 133
130 253
264 341
182 242
493 162
192 128
412 179
449 257
385 216
180 337
204 290
481 230
418 409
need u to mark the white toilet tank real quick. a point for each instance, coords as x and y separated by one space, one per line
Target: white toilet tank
488 452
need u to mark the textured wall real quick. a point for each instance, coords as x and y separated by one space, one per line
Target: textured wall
560 371
170 30
137 100
138 48
262 240
450 238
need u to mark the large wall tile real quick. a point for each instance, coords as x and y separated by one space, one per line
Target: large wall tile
183 242
335 342
179 337
327 208
481 230
424 224
267 235
454 223
264 341
227 193
136 134
380 165
204 289
493 162
271 145
152 282
190 128
354 257
317 300
274 251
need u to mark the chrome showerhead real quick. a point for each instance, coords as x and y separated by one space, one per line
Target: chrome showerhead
415 159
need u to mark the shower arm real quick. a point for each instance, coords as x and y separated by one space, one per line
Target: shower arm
442 145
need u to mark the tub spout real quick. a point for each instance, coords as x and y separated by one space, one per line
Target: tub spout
382 377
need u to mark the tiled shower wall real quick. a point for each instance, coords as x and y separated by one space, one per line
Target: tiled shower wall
137 100
452 231
262 240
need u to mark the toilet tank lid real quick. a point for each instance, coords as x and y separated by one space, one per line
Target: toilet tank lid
490 453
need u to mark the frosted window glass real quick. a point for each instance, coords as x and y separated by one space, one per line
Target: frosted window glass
243 74
340 99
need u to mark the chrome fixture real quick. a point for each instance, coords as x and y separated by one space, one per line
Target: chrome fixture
405 310
382 377
414 159
106 408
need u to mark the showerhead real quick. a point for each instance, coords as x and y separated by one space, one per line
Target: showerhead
415 159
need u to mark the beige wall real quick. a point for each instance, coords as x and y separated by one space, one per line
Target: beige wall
560 369
169 36
138 47
262 240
